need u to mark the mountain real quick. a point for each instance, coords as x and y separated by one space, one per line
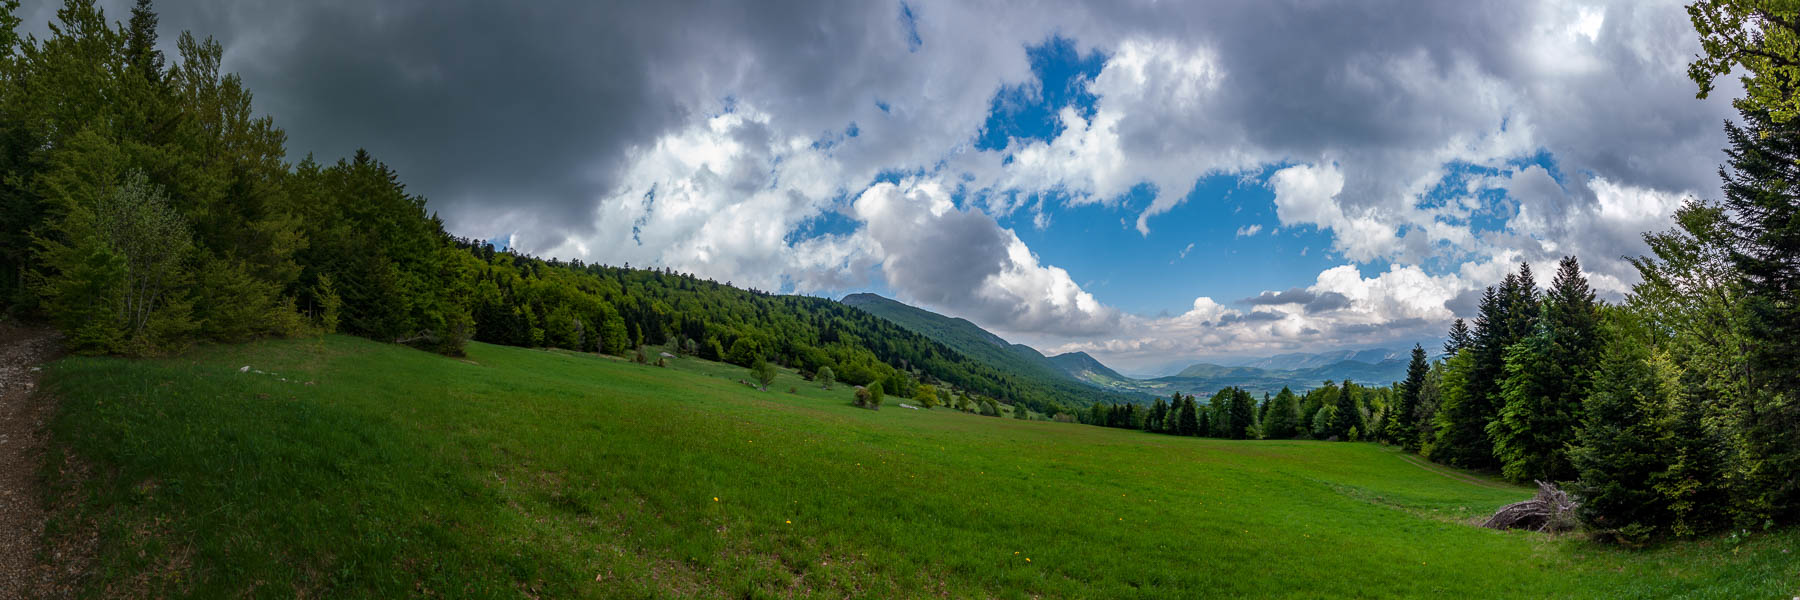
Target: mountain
1086 368
1069 373
1302 360
1205 378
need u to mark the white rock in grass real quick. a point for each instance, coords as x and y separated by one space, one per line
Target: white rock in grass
246 369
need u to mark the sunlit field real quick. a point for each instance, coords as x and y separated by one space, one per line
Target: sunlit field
348 468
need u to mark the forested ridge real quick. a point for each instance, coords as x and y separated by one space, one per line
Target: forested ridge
146 207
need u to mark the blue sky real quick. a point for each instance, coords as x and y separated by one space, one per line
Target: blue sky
1119 178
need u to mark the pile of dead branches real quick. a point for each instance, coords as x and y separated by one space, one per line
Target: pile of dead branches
1550 510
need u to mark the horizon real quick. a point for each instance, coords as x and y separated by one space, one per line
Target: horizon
1079 179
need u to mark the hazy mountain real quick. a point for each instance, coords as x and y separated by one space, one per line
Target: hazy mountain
1087 369
1304 360
1074 370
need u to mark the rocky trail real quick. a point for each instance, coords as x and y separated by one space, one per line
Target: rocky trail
24 420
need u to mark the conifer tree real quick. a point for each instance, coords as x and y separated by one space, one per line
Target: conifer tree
1458 338
1188 422
1345 416
1547 376
1240 415
1764 225
1617 456
1402 423
1283 420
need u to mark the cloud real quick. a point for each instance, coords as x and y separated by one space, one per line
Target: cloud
1291 296
1440 142
963 263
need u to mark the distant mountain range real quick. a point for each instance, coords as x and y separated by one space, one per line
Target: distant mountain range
1300 371
1300 360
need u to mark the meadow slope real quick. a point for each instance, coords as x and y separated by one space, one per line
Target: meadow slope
349 468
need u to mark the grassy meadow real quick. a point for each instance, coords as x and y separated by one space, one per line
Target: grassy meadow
363 470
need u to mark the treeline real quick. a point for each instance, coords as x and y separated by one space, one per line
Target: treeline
144 207
1332 411
1673 413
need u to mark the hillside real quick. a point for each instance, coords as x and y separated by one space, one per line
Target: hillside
1086 368
344 468
983 346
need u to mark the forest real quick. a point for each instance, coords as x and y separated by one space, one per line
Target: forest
146 207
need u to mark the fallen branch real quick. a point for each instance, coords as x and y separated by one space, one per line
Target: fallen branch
1551 510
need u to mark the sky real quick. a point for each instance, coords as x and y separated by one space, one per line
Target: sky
1152 183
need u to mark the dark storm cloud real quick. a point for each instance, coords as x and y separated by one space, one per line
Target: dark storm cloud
523 108
1290 296
1465 304
1327 302
1252 317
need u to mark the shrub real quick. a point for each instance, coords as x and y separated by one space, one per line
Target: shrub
869 397
763 372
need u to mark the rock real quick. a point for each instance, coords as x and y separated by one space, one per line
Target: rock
245 369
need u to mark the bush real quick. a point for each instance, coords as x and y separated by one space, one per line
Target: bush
825 377
869 397
763 372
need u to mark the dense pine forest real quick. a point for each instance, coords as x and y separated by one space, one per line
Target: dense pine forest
147 208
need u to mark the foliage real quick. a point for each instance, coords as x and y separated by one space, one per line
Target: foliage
1762 38
1402 428
763 373
825 377
1283 420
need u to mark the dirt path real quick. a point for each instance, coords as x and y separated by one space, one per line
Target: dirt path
23 420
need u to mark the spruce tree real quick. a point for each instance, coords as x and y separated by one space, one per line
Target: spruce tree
1402 424
1241 415
1547 376
1764 225
1462 438
1458 338
1345 416
1617 455
1283 419
1157 411
1189 420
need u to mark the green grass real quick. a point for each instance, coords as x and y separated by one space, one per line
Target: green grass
549 474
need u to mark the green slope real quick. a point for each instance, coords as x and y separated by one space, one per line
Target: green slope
972 341
1086 368
362 470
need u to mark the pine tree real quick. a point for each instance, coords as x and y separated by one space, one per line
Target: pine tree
1241 415
1283 420
1345 416
1547 376
1159 410
1617 453
1188 422
1764 227
1402 424
1458 339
